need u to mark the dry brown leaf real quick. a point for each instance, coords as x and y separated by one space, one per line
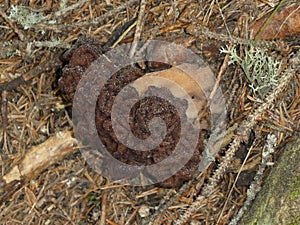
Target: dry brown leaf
176 77
285 23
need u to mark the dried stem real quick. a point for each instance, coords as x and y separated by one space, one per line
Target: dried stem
256 184
139 27
199 29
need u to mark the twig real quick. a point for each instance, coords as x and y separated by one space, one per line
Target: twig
200 29
165 203
139 27
72 7
51 44
223 18
103 207
3 143
235 181
129 221
255 186
208 12
119 34
221 72
107 15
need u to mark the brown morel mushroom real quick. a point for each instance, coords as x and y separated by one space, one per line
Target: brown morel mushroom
77 59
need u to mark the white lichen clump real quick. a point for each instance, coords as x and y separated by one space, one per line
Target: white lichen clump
260 69
26 17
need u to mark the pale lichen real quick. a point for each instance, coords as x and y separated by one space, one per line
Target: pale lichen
260 69
26 17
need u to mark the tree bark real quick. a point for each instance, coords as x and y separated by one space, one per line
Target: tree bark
278 202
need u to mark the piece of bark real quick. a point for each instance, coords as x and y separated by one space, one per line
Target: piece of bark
284 24
37 159
279 200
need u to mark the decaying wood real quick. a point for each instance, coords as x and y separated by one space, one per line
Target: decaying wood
37 159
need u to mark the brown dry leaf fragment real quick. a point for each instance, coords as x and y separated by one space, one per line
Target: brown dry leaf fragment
285 23
186 82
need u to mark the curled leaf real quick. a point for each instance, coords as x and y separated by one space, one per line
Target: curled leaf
284 24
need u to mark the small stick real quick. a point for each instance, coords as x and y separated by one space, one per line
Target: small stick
103 207
4 118
139 27
200 29
119 34
96 21
221 72
69 8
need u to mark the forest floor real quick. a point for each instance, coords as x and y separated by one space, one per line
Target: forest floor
66 190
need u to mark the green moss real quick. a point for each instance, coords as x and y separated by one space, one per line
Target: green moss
93 199
294 194
294 223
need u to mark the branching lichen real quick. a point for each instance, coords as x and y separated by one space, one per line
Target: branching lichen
260 69
26 17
